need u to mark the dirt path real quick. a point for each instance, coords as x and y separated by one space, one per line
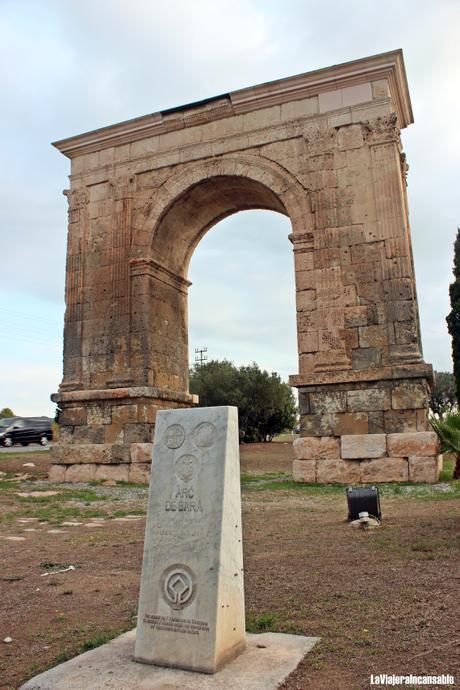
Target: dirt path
383 601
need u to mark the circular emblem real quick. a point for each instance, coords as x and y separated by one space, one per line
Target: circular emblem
185 467
178 586
204 435
174 436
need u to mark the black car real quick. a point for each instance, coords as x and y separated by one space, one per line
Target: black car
25 430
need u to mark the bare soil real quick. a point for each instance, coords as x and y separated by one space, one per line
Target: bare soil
382 601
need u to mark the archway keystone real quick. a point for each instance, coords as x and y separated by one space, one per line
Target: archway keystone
322 148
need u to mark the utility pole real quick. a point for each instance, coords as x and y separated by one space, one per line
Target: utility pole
200 355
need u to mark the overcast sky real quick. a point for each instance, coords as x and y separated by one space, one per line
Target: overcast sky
67 67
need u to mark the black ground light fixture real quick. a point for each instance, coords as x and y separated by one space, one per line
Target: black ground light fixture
363 499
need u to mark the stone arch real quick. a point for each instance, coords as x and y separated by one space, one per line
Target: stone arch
202 194
324 149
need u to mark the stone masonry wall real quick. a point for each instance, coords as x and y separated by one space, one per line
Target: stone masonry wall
366 433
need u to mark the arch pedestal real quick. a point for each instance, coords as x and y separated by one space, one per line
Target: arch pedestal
322 148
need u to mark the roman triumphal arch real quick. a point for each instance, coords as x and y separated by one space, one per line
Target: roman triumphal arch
322 148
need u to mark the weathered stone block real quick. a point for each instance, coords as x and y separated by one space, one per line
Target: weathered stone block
139 473
304 471
368 399
57 473
73 416
329 448
304 403
355 316
119 473
306 448
122 414
359 446
80 473
351 423
385 470
113 433
311 448
89 434
373 336
400 421
351 339
424 469
147 413
336 471
83 453
138 433
141 452
316 425
421 443
409 396
308 342
306 299
366 358
376 422
327 402
120 453
99 414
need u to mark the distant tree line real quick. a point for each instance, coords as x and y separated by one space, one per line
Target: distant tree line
266 405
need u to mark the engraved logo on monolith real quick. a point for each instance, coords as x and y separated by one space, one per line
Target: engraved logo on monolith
178 586
174 436
204 435
185 467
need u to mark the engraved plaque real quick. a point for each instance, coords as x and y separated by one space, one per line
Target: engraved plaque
174 436
178 586
204 435
185 467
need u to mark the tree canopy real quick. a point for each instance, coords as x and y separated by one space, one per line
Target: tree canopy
266 405
443 396
6 412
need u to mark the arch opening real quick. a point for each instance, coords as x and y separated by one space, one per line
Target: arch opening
199 208
242 299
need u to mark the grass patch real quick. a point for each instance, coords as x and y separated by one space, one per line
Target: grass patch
54 514
278 481
259 483
265 622
268 476
4 485
19 454
97 640
86 496
62 657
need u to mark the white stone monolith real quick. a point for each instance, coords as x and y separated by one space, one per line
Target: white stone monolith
191 607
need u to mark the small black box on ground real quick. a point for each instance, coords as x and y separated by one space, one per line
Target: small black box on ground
363 499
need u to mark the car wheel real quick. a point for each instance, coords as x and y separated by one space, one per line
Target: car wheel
24 443
43 441
8 442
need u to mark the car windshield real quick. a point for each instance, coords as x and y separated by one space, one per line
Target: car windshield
6 422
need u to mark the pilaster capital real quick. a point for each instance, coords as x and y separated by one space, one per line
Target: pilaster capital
123 187
76 198
382 130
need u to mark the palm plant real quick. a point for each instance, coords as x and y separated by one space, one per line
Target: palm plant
448 431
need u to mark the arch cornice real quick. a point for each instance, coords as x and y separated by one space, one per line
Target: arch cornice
292 195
